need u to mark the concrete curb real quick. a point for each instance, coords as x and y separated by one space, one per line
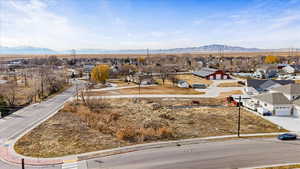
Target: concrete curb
148 146
16 158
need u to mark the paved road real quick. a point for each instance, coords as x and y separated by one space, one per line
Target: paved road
209 155
13 126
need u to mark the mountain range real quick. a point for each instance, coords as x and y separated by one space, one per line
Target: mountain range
206 48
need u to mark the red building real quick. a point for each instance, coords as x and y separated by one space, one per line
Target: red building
212 74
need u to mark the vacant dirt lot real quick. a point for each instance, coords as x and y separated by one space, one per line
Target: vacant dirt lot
103 124
230 84
226 94
191 79
147 90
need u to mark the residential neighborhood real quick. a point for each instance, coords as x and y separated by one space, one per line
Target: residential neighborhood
149 84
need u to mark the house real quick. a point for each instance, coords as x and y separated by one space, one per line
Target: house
266 71
276 103
291 69
212 74
256 86
291 91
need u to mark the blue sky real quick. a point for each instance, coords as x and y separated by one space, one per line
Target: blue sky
137 24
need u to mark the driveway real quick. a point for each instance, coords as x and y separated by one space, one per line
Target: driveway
289 123
214 91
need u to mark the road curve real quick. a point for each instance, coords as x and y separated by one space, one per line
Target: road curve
210 155
17 124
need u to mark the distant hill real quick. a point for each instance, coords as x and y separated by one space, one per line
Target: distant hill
206 48
26 50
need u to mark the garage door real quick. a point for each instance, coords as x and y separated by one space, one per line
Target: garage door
282 111
296 111
225 77
211 77
218 76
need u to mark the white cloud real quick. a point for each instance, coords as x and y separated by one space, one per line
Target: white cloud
30 23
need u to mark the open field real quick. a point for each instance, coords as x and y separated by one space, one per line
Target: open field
205 54
230 84
191 79
103 124
226 94
147 90
121 83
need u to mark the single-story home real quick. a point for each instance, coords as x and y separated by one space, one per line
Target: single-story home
291 69
266 71
256 86
211 74
276 103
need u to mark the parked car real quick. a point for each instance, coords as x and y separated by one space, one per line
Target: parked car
287 136
183 84
267 114
199 86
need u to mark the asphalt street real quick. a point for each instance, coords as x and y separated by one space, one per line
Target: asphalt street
210 155
13 126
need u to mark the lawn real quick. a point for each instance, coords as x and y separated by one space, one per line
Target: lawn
230 84
104 124
166 89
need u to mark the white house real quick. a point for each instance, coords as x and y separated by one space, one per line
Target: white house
276 103
291 68
291 91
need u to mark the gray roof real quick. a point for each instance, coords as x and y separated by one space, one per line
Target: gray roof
273 98
297 102
296 67
205 72
262 85
292 89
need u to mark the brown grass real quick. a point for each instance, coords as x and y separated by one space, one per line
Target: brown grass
121 83
284 167
230 84
297 81
147 90
119 122
191 79
226 94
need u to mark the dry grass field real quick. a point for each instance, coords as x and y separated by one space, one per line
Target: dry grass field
121 83
295 166
230 84
191 79
146 90
226 94
104 124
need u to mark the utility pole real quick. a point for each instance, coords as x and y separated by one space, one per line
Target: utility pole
239 115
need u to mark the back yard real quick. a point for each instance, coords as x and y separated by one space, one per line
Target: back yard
102 124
